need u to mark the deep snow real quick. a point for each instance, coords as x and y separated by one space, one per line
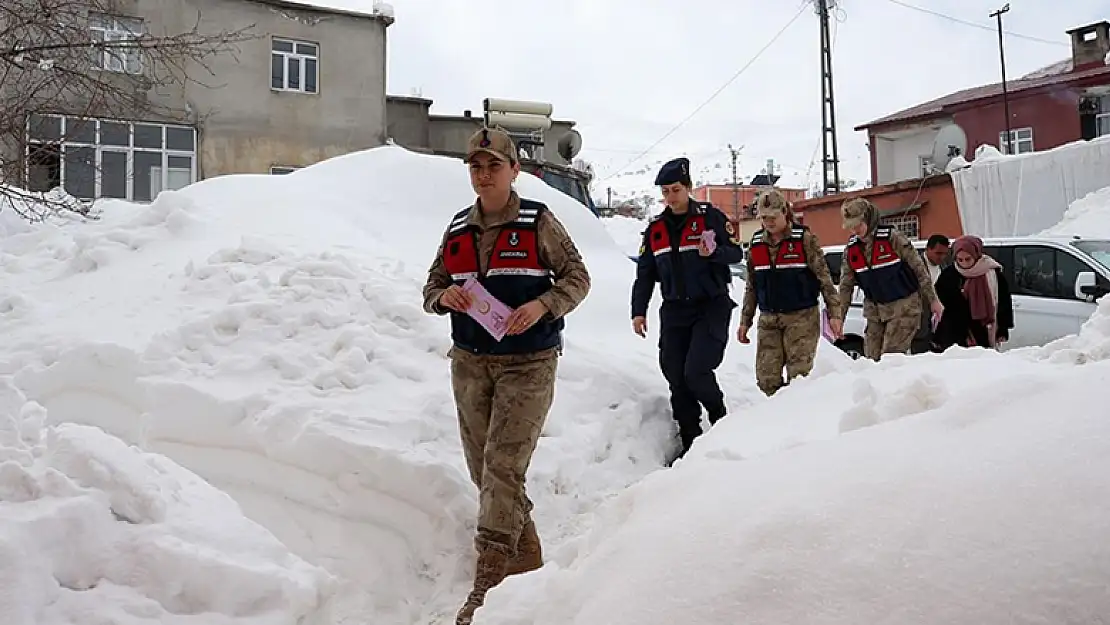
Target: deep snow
265 334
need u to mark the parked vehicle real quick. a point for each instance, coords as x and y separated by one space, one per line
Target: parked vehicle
1055 282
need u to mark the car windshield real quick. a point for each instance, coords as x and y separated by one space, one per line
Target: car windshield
1098 250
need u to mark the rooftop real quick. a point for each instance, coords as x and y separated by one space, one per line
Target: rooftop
366 9
1039 79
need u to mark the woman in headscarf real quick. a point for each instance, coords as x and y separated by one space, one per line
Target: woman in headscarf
978 309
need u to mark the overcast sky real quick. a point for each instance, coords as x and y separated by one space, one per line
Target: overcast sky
628 71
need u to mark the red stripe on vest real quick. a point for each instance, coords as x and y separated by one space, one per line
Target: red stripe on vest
516 249
791 251
882 252
659 238
460 254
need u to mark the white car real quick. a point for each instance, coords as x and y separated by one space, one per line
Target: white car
1054 281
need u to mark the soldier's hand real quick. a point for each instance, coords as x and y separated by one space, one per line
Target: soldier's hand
836 326
525 317
742 335
456 299
639 326
938 310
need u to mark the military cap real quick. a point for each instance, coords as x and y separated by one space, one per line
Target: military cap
675 170
771 203
493 141
856 211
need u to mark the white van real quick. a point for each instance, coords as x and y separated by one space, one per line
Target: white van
1055 282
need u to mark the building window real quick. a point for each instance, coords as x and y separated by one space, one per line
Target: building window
1102 119
1022 139
281 170
108 29
294 66
908 225
95 158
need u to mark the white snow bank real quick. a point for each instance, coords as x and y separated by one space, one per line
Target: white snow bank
93 530
1092 344
627 232
965 488
1088 216
266 333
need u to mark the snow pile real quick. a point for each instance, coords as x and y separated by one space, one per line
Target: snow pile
266 333
1092 344
627 232
89 526
1088 216
974 493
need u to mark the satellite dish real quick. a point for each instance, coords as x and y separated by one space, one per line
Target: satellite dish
949 143
570 145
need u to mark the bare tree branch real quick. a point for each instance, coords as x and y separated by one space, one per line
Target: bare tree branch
87 59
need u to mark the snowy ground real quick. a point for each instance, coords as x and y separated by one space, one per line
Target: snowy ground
262 336
627 232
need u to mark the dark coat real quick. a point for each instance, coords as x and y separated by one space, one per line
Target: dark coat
956 325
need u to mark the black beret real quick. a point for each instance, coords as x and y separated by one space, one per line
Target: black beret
676 170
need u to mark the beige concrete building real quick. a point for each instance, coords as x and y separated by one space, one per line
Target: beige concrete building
309 86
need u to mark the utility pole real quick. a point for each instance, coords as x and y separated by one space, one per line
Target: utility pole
1005 95
609 199
830 158
735 152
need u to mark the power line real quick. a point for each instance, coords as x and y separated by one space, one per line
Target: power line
715 93
974 24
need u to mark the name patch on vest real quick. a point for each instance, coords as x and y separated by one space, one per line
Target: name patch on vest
513 254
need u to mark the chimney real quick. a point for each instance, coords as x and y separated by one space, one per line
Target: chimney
1089 44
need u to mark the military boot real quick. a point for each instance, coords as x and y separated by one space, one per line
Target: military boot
529 551
489 572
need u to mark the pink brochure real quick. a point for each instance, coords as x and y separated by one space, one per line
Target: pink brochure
487 310
710 239
826 329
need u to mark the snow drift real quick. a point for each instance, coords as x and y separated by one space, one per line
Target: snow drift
968 488
263 336
266 334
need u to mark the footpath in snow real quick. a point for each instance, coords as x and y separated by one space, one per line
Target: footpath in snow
234 396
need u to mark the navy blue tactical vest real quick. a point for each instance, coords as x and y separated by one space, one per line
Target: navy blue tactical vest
515 275
884 278
783 283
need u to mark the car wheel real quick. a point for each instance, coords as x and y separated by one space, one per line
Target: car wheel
852 346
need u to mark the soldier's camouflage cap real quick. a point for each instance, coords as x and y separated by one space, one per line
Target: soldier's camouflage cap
771 203
856 211
493 141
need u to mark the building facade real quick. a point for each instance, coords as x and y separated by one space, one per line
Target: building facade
918 208
1068 101
737 201
309 85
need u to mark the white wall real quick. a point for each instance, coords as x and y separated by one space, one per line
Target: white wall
900 154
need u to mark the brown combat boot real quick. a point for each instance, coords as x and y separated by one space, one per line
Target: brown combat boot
529 552
490 572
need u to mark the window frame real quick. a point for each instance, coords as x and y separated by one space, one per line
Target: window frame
99 148
1017 140
301 58
106 28
1061 292
896 222
1102 118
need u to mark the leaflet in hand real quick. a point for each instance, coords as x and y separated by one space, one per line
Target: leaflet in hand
826 327
709 237
487 310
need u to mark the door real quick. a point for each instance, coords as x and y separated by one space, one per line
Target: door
1043 287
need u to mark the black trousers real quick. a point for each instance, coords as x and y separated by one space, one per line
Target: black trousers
692 343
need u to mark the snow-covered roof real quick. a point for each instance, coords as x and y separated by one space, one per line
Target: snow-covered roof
356 8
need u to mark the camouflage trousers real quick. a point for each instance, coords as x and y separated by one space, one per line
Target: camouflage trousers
895 333
785 339
502 403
